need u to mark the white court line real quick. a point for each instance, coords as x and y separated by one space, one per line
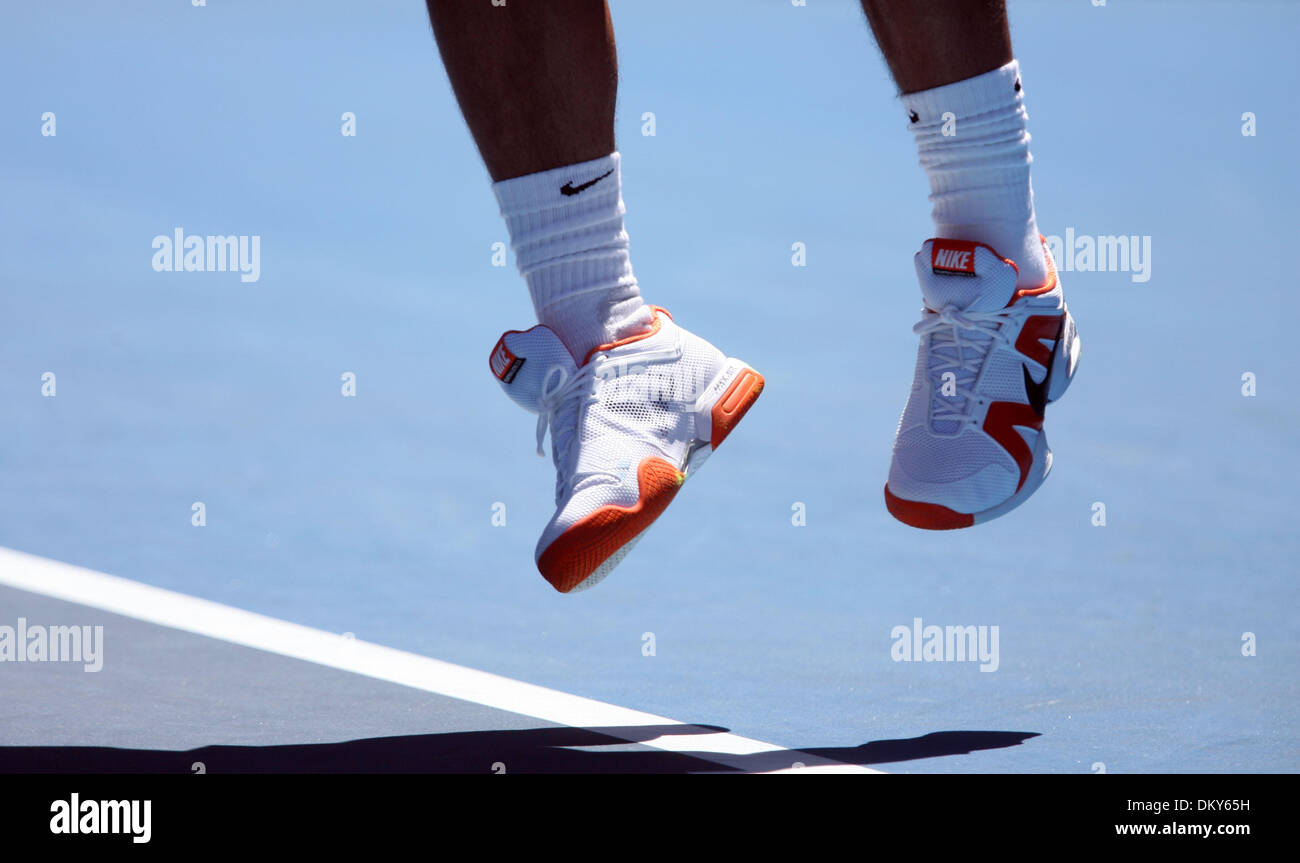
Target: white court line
214 620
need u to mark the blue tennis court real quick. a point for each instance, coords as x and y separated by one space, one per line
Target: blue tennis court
1138 615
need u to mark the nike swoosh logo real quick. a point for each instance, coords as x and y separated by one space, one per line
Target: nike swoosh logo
570 189
1036 393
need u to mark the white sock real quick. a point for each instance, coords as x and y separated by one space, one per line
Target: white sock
566 229
979 172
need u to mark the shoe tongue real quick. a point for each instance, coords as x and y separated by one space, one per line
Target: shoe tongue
970 276
522 361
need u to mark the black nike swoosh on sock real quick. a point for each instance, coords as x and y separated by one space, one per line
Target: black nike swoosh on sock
570 189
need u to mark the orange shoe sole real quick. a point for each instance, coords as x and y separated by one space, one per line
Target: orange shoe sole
581 550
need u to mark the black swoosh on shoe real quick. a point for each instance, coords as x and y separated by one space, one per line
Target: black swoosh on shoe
1036 393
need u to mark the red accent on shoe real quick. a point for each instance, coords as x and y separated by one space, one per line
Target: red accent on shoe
929 516
654 328
1000 421
1039 327
1048 283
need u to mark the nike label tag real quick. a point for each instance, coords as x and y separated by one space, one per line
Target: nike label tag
953 257
503 363
570 189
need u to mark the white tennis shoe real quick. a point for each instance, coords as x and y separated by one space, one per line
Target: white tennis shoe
970 444
627 428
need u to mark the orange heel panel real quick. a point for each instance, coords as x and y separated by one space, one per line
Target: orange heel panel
928 516
738 399
580 550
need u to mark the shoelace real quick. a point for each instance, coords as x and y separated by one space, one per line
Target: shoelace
558 406
950 350
563 395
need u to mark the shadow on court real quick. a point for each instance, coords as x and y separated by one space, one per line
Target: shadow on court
536 750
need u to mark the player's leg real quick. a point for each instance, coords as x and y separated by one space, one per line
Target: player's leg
997 342
536 83
632 401
952 61
931 44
